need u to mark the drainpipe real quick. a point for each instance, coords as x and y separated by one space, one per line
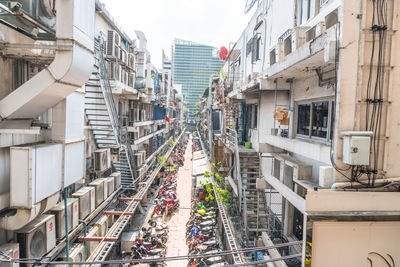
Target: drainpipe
66 224
70 69
24 216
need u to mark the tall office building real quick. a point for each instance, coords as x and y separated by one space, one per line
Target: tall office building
193 64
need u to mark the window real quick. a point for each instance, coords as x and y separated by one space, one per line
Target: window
272 57
322 2
320 119
249 46
303 119
307 9
256 48
287 45
254 116
315 119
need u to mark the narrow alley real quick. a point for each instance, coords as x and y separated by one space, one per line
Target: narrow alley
177 232
199 133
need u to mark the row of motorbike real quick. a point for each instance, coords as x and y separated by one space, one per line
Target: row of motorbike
151 239
201 232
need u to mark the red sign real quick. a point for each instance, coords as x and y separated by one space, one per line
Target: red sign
166 118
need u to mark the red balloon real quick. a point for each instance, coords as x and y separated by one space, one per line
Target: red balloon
223 53
224 50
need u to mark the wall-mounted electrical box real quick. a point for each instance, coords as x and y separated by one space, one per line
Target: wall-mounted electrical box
356 147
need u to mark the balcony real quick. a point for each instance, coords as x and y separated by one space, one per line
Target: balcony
147 137
121 88
302 62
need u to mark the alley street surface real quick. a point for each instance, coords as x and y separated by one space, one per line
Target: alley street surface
176 244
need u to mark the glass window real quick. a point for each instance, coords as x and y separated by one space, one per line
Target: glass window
320 115
303 119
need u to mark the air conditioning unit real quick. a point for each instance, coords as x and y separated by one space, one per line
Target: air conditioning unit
10 250
99 185
73 216
93 232
138 159
87 201
38 237
102 224
110 185
117 180
102 159
113 41
31 167
77 253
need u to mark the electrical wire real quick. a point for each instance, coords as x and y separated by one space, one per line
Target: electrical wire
375 85
173 258
332 159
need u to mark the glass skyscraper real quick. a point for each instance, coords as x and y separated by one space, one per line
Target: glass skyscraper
193 64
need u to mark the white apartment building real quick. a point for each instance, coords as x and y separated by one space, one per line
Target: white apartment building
310 86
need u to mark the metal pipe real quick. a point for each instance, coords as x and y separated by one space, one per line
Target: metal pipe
378 181
66 224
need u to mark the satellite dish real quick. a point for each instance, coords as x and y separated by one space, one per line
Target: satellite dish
250 4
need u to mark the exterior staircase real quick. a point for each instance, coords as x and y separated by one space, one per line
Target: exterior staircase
254 202
102 116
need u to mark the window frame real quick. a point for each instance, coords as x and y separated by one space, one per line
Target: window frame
329 132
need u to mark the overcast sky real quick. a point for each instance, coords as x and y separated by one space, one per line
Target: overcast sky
210 22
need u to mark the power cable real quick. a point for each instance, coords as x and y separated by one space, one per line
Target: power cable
173 258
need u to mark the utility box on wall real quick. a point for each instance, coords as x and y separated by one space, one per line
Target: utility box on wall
356 147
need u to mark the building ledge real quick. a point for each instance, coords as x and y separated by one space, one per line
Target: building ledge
147 137
143 123
312 150
345 202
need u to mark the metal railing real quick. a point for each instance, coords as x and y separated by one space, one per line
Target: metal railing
111 107
232 137
107 94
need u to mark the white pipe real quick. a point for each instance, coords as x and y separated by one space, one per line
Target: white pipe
23 216
4 200
70 69
378 181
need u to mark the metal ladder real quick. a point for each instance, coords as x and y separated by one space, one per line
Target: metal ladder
102 116
254 207
237 259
